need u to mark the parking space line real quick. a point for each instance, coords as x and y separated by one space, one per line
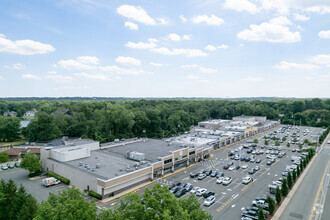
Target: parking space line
219 199
237 186
225 204
247 186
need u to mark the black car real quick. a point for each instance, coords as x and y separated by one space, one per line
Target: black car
249 151
238 167
208 193
208 172
220 174
193 175
175 189
247 159
214 174
176 183
180 192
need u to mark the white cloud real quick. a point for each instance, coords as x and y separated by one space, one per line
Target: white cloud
189 66
180 51
300 17
223 46
18 66
193 77
274 31
320 59
253 79
210 48
140 45
241 5
201 69
24 47
241 45
1 78
324 34
136 13
212 20
93 76
73 64
88 60
131 25
299 66
60 78
183 19
120 71
156 64
176 37
153 40
207 70
52 72
186 37
30 76
128 61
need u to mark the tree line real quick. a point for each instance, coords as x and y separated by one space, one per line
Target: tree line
106 120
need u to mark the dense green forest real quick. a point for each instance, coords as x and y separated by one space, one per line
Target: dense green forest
106 120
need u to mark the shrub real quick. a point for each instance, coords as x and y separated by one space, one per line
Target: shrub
36 173
95 195
3 157
61 178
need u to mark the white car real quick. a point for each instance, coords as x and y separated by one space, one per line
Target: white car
195 189
246 180
244 166
219 180
209 201
226 181
267 151
4 167
231 168
200 191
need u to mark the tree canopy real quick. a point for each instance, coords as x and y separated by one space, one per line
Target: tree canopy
68 204
16 203
31 162
156 203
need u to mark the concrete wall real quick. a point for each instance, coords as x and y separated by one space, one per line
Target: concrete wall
70 153
79 178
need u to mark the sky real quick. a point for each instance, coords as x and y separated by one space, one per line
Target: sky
165 48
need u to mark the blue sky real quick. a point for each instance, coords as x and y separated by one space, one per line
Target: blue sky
165 48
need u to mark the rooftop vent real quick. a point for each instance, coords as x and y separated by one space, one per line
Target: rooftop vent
80 163
98 165
93 169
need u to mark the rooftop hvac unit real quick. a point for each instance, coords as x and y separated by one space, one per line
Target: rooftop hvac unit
93 169
128 169
88 168
169 144
121 169
86 165
116 174
98 165
133 155
80 163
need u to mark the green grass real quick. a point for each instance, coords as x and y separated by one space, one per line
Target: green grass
6 144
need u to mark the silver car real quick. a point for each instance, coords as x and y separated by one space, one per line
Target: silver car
209 201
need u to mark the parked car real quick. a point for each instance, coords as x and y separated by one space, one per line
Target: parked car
17 164
214 174
201 171
180 192
208 172
226 181
209 201
194 190
4 167
237 167
244 166
11 165
269 162
201 176
256 168
208 193
231 168
251 171
258 160
175 189
247 180
219 180
193 175
220 174
200 192
188 187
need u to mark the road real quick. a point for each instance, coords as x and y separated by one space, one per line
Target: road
308 201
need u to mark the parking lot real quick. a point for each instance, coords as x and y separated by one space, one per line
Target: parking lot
229 200
35 187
